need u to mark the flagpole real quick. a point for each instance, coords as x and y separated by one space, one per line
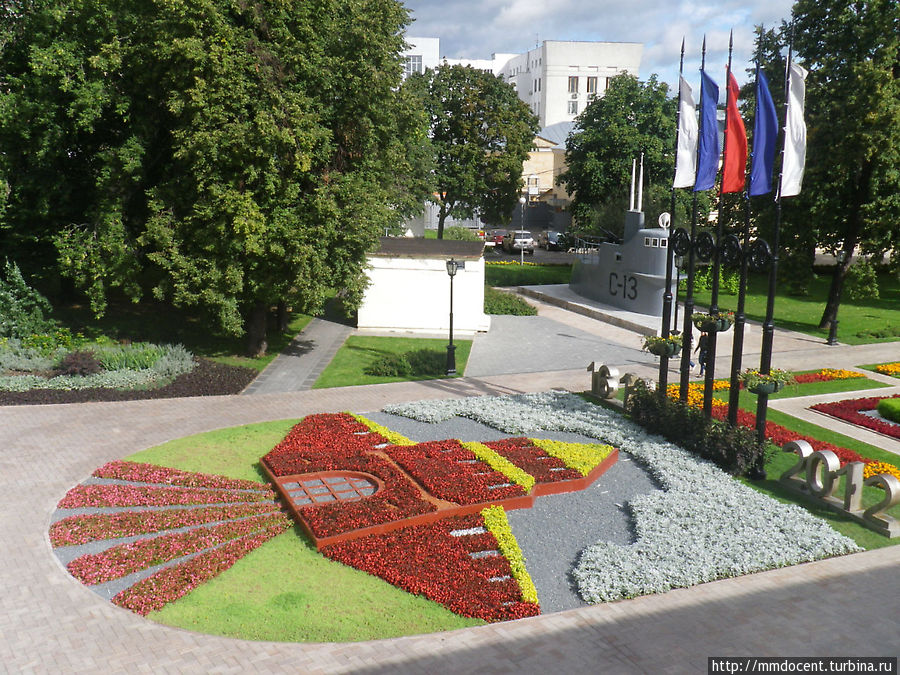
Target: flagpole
717 257
737 347
687 332
667 296
765 361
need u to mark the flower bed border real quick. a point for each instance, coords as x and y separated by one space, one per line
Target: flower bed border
443 510
849 410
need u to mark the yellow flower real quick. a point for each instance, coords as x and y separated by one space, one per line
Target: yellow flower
889 369
874 468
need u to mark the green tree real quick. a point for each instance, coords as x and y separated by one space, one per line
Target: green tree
481 133
851 187
631 118
230 155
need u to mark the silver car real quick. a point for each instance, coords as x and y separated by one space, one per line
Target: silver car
518 240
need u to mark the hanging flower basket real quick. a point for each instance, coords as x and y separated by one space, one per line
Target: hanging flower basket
713 323
766 383
660 346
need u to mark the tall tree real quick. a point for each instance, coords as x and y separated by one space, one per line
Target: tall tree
481 133
631 118
852 183
236 153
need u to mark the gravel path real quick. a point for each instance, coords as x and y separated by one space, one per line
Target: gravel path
557 528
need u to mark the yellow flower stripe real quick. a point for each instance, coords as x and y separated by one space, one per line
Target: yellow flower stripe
500 263
391 437
839 373
889 369
695 392
582 457
499 463
874 468
497 524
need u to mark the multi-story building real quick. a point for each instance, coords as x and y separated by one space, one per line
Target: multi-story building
557 79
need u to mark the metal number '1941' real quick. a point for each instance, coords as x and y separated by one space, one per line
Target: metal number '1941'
623 284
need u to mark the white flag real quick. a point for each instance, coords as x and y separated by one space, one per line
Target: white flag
794 134
686 153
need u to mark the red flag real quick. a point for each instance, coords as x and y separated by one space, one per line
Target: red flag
735 160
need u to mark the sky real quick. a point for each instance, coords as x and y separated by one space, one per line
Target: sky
478 28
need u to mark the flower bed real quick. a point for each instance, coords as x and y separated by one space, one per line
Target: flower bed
428 560
850 410
150 473
76 530
174 582
704 525
129 495
125 559
524 453
889 369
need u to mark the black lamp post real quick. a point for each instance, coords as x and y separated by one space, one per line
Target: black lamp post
679 262
452 266
841 257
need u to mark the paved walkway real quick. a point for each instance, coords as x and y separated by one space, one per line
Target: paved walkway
50 623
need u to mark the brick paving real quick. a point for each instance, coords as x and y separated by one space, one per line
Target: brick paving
50 623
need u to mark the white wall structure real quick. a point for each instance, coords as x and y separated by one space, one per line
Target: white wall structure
409 288
557 79
421 54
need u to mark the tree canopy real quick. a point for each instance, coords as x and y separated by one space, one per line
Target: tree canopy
227 154
480 135
631 118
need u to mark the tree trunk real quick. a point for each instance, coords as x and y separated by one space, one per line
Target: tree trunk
834 293
256 330
282 316
442 216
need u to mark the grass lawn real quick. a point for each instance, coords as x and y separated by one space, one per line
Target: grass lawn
526 275
155 322
858 320
359 351
285 590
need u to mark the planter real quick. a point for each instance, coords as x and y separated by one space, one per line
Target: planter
766 388
724 325
712 324
664 349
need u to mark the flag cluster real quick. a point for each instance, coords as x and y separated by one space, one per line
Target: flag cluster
697 154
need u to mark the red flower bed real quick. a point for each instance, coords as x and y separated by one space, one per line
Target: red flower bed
849 410
449 471
779 435
427 560
95 527
125 559
398 499
319 443
174 582
534 460
136 495
150 473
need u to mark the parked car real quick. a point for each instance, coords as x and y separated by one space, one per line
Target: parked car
518 240
495 238
552 240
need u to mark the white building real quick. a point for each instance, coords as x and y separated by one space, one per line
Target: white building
556 79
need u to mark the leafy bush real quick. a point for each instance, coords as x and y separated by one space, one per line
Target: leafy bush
733 449
80 363
22 309
889 409
861 281
498 302
136 356
414 363
458 233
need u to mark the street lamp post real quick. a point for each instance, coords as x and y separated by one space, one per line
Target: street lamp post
841 257
452 266
679 261
522 201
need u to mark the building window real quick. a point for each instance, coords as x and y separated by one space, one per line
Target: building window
413 65
573 107
592 85
573 85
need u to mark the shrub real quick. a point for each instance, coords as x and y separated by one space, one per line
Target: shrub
498 302
80 363
22 309
889 409
390 365
862 281
733 449
458 233
730 283
136 356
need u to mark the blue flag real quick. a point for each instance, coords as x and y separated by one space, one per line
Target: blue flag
708 160
765 134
